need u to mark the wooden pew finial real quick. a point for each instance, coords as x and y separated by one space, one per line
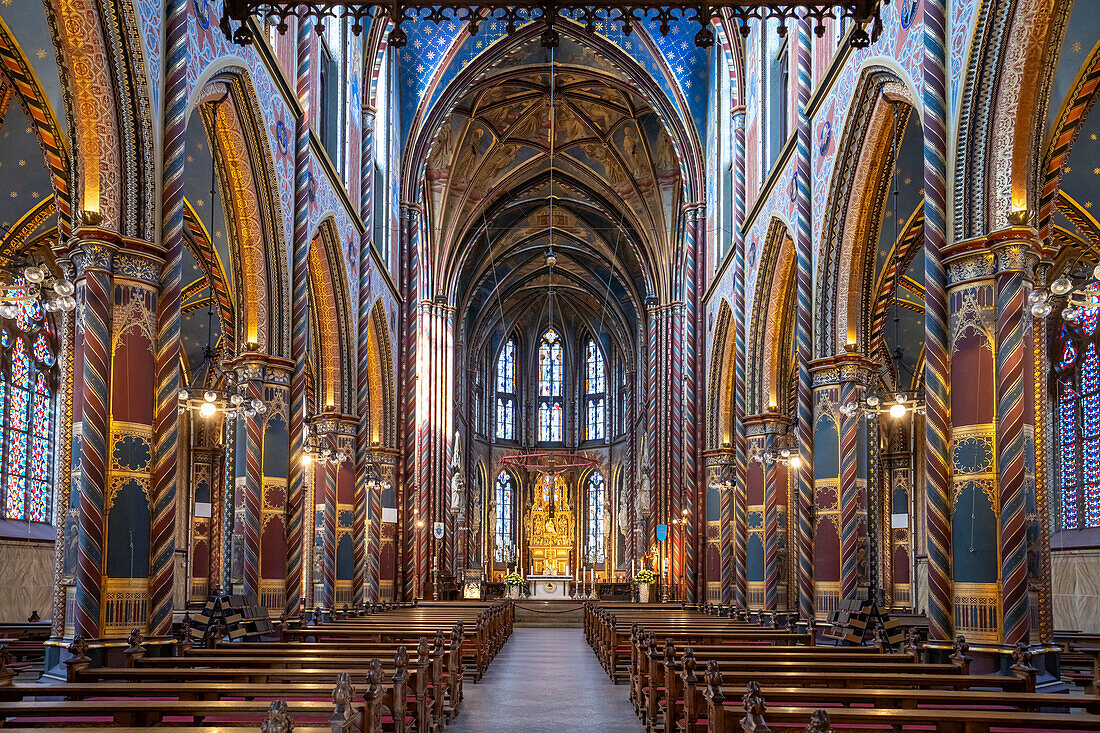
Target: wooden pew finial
34 617
6 674
278 719
344 716
1022 667
913 643
753 702
819 722
960 658
135 651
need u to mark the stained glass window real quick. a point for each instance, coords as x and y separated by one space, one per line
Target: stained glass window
595 399
597 543
551 369
1076 363
27 382
503 525
506 391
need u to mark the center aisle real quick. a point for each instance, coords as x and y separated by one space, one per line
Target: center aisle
545 681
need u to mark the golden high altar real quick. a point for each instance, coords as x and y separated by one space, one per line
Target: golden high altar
549 527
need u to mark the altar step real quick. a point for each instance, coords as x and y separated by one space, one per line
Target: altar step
549 614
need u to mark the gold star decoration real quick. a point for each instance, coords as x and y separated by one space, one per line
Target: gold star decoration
14 195
190 159
1068 169
35 194
1088 204
1093 136
218 234
40 53
6 3
198 203
1077 47
1096 171
908 180
22 162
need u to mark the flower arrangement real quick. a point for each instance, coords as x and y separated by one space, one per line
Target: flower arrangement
513 579
645 576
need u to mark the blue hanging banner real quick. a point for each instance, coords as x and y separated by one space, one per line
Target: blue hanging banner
662 532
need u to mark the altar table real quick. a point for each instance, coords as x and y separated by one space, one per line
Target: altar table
546 587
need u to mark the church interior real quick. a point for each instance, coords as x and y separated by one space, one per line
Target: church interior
379 365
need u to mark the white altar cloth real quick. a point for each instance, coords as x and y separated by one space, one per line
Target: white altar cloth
548 587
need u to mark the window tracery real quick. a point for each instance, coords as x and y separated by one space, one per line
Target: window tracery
596 509
28 366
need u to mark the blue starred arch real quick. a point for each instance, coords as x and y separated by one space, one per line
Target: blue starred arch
436 54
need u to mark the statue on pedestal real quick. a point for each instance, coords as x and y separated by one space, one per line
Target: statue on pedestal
458 481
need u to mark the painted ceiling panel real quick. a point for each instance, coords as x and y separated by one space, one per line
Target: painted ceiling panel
26 19
24 179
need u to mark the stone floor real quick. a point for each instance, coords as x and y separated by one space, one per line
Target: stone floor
545 681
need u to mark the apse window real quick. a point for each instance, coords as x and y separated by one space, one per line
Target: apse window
503 528
506 392
28 380
595 387
550 387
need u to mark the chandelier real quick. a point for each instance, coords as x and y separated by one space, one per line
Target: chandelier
624 15
233 402
27 282
1082 293
317 450
896 405
784 454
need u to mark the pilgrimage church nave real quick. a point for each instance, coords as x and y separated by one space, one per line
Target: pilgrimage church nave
385 366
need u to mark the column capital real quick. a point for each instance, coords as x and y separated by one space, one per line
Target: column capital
767 423
841 368
263 367
1015 249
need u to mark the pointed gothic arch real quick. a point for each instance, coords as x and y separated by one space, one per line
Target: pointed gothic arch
772 323
331 322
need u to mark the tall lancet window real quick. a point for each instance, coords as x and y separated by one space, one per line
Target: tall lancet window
506 391
597 543
28 378
550 387
595 388
502 533
1077 370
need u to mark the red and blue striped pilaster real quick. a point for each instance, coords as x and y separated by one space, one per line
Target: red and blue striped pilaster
1012 257
327 476
771 537
253 490
803 326
95 421
299 325
850 504
740 541
166 419
367 505
936 369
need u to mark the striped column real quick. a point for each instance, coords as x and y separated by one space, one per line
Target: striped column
252 495
1043 440
776 481
299 328
738 571
803 325
936 384
166 421
1014 251
229 510
692 408
367 499
852 504
94 265
325 477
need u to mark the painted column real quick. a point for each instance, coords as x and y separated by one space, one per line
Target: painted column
334 509
367 519
736 576
897 531
760 487
263 458
975 531
841 561
1015 253
1044 440
166 427
768 510
202 490
412 565
938 483
694 410
94 289
803 325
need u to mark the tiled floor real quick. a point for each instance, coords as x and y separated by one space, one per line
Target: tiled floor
545 681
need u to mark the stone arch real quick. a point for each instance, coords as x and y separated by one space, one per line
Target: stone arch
722 368
1009 75
331 322
854 210
772 321
253 219
382 424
